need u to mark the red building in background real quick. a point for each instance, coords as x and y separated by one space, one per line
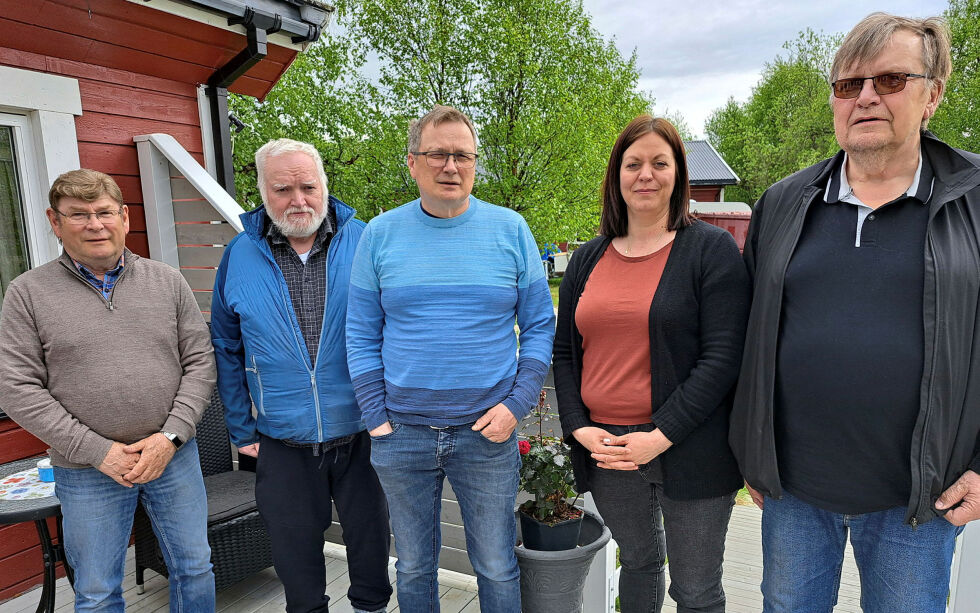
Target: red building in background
78 80
708 172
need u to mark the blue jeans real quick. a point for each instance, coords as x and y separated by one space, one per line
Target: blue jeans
412 462
901 568
98 519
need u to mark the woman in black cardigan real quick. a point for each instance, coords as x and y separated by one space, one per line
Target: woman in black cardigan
661 459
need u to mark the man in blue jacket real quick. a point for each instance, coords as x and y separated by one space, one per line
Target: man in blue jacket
278 316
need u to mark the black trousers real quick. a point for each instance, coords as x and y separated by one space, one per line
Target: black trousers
293 490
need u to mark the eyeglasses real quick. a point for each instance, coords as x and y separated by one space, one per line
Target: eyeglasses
438 159
888 83
106 218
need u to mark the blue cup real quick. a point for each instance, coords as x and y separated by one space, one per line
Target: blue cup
45 471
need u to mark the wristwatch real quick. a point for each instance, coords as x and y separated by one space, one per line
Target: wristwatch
173 438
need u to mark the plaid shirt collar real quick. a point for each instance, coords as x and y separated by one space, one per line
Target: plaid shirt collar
108 280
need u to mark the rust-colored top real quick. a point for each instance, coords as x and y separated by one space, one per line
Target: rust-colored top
613 318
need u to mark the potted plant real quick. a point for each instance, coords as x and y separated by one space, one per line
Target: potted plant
548 521
552 580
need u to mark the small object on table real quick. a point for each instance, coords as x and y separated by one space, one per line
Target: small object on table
20 502
45 471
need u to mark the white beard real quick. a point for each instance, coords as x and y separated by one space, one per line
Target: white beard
298 229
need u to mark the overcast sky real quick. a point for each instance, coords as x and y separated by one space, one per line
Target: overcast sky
694 54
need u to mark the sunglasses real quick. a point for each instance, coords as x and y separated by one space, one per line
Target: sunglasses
888 83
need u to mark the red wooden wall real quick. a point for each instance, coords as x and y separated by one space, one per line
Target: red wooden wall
706 193
137 70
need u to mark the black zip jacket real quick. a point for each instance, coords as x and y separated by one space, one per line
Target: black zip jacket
697 327
946 438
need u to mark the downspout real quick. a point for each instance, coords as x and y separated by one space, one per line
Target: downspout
217 93
258 26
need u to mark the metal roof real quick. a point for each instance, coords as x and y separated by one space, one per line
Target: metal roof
706 167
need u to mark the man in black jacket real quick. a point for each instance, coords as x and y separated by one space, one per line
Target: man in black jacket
857 409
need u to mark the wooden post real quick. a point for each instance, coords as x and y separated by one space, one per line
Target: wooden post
602 582
964 590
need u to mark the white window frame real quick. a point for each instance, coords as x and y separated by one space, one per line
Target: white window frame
37 232
41 108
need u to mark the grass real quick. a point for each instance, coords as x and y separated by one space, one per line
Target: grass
553 284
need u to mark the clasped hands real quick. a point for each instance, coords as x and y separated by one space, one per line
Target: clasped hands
626 452
140 462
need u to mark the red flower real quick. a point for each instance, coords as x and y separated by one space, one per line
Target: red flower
523 446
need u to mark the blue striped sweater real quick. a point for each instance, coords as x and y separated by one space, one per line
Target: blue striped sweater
430 324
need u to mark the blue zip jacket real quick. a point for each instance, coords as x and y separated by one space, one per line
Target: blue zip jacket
259 349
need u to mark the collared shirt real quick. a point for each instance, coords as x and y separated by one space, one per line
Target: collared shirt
306 278
108 280
839 190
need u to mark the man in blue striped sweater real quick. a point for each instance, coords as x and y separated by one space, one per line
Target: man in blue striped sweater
436 286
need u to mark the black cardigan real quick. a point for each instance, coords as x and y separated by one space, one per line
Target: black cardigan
697 329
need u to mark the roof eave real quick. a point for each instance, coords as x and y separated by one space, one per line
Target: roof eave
301 21
713 182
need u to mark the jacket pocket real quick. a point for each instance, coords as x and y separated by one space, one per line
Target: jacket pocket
252 374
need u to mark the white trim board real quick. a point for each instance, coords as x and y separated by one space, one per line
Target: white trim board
48 105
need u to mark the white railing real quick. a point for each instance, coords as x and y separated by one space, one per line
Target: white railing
189 216
964 589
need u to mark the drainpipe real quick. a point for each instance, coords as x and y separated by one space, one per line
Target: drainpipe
258 27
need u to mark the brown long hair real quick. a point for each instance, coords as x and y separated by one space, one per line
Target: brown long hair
614 219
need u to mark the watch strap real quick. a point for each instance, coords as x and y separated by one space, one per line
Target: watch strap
173 438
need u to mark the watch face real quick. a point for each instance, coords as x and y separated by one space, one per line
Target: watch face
173 439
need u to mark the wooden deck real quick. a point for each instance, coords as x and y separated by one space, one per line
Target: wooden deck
262 593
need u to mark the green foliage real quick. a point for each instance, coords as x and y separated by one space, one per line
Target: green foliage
677 118
547 93
551 100
956 119
785 125
323 99
546 473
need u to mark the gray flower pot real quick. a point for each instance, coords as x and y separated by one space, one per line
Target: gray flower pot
552 581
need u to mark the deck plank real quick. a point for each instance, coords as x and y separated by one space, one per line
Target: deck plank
262 592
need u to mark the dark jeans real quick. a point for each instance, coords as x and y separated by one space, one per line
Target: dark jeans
633 505
293 490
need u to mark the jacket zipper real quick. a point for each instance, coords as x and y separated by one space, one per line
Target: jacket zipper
928 410
258 379
300 344
779 315
108 302
303 351
319 349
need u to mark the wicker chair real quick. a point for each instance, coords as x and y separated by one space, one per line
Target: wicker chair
239 543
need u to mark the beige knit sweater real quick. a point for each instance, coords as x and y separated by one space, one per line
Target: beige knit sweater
79 375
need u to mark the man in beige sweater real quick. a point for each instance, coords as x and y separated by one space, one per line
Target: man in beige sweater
105 357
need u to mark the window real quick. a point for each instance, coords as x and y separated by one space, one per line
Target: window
14 256
37 143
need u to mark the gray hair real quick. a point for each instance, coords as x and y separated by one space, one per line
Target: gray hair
281 146
437 116
867 39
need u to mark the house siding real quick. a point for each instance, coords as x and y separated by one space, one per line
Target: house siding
706 193
138 70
